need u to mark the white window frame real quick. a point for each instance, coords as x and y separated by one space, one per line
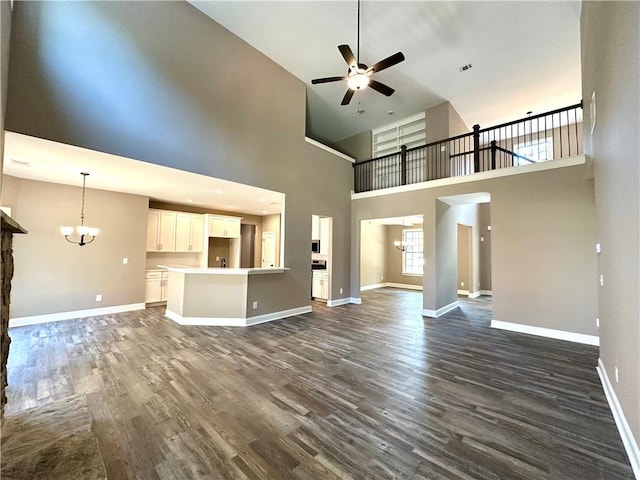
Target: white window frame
410 252
539 150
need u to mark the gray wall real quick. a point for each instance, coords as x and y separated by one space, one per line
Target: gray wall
184 101
543 231
357 146
484 234
52 275
5 35
610 66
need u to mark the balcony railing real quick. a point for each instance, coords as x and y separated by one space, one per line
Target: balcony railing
537 138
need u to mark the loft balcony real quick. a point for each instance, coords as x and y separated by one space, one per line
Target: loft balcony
538 138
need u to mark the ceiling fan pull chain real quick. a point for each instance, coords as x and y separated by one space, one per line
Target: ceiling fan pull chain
358 45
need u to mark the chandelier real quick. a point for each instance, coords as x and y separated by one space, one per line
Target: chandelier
82 230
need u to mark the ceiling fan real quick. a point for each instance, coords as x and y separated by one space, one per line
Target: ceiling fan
359 75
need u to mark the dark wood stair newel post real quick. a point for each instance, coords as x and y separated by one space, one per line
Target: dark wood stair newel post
8 228
476 148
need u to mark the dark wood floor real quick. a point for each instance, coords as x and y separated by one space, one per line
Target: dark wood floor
372 391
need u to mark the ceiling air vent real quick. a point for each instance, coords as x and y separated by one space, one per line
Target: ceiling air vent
464 68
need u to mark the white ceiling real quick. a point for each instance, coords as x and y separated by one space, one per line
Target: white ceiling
525 55
44 160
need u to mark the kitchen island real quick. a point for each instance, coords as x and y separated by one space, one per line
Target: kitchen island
227 296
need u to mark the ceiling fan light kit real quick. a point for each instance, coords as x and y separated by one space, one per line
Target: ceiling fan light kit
358 74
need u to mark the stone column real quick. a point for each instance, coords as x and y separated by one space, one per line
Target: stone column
8 227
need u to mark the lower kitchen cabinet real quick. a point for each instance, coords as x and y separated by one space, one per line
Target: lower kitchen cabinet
320 285
156 286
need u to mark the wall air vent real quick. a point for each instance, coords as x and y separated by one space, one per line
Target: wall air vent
464 68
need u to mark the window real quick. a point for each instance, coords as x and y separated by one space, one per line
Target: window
413 257
536 150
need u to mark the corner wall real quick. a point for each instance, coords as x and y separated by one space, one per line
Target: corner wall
55 276
543 231
184 101
611 67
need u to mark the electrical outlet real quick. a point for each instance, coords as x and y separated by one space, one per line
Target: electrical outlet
462 284
601 280
125 260
340 290
598 322
217 259
598 248
255 305
381 278
482 239
98 298
616 373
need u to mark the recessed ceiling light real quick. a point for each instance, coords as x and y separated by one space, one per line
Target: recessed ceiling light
190 200
263 200
21 163
390 112
360 111
219 192
464 68
264 212
231 206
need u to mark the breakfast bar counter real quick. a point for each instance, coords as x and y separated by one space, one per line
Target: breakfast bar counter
225 296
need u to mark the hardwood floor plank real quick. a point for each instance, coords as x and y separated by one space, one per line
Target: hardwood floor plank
362 392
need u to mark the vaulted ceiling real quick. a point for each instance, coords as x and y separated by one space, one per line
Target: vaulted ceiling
525 56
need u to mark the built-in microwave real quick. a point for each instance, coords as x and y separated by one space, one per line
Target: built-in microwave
315 246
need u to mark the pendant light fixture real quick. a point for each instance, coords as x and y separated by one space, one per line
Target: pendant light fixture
82 230
402 245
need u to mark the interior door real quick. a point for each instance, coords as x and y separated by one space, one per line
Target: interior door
268 249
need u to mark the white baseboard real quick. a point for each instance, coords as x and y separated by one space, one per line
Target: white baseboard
338 301
630 445
355 300
57 317
441 311
469 294
406 286
235 322
269 317
547 332
486 292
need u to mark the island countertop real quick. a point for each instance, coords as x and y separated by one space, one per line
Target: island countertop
224 271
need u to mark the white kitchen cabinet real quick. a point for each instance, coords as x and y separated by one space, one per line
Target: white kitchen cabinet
189 232
156 286
320 285
325 235
225 227
315 227
161 231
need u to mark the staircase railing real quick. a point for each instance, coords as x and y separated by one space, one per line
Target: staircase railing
533 139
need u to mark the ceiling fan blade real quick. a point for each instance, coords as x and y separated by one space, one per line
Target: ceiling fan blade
348 56
381 87
327 79
387 62
347 97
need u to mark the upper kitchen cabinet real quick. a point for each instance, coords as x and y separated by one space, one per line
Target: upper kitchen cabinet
161 231
189 232
315 227
224 227
325 235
